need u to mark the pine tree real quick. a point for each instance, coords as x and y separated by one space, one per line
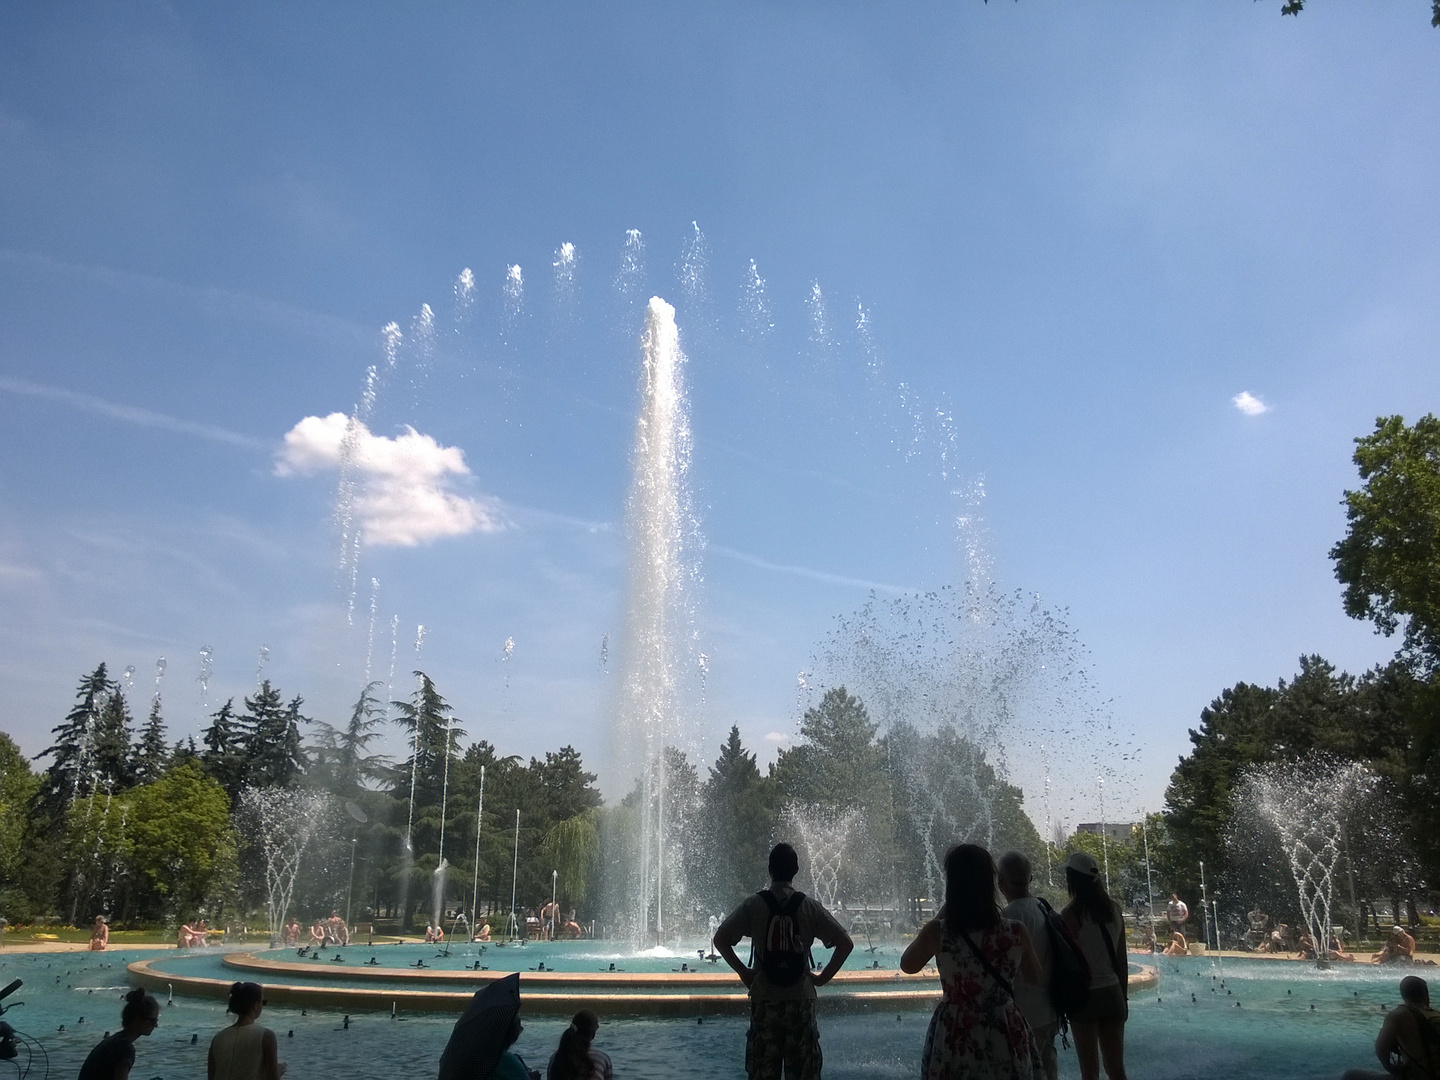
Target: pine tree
69 776
151 757
110 744
740 806
340 761
223 758
433 732
273 752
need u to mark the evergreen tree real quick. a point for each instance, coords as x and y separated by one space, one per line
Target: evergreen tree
740 810
223 759
69 775
340 761
151 756
272 739
434 735
110 744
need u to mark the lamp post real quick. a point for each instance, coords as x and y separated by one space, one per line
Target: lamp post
360 818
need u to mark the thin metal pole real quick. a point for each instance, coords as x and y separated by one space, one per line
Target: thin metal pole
479 819
1205 903
1149 882
554 881
350 889
515 874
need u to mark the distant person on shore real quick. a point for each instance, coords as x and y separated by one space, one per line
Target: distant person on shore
292 931
781 925
317 934
576 1059
1305 946
1178 912
185 937
1337 951
245 1050
570 928
1097 925
337 931
1178 946
1013 876
549 919
1400 947
483 934
1409 1042
99 935
114 1055
1276 942
977 1030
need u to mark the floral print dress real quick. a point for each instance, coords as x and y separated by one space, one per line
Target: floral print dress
977 1032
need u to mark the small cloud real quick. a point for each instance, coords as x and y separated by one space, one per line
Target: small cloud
403 495
1249 404
775 738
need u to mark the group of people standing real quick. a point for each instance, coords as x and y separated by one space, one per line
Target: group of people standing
997 1018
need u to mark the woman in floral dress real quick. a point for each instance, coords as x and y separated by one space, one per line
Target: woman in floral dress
977 1032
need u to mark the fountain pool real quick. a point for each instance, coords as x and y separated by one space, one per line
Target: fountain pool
1274 1032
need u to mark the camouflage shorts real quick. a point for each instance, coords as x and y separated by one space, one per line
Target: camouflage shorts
782 1035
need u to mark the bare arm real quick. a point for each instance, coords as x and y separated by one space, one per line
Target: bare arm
923 949
725 942
1030 969
1387 1043
844 944
271 1067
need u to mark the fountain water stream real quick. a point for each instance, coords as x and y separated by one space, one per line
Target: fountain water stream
662 536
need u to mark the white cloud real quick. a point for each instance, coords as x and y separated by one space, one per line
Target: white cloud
1249 404
775 738
403 496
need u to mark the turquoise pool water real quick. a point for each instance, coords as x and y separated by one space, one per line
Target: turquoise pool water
1255 1020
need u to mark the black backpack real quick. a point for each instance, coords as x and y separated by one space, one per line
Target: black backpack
1069 970
784 957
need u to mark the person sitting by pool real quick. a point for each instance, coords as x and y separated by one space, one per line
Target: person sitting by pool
1147 937
434 934
337 932
1305 946
99 935
292 931
317 934
185 937
483 934
570 928
1337 951
1177 946
1400 947
1275 943
1408 1045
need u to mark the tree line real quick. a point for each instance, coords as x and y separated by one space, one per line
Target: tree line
1388 718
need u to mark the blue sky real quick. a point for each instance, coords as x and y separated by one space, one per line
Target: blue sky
1077 232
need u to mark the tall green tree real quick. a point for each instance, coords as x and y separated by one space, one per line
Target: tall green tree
151 755
223 759
21 889
110 744
1389 559
273 750
341 761
69 775
741 805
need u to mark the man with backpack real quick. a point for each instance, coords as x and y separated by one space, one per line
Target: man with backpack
1013 878
1409 1041
781 925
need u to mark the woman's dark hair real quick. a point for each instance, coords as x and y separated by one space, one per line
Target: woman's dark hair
969 889
1090 897
572 1060
243 997
138 1002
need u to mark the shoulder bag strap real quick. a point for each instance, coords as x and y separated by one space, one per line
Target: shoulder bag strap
989 969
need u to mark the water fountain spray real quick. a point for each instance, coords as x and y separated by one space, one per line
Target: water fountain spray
515 877
479 823
662 536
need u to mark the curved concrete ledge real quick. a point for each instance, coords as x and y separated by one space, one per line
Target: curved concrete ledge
561 995
320 970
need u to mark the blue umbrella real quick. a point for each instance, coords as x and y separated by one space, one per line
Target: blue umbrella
482 1033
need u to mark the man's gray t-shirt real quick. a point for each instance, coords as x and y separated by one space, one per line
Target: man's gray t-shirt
752 918
1034 1001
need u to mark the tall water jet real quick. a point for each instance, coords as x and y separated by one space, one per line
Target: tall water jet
663 537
